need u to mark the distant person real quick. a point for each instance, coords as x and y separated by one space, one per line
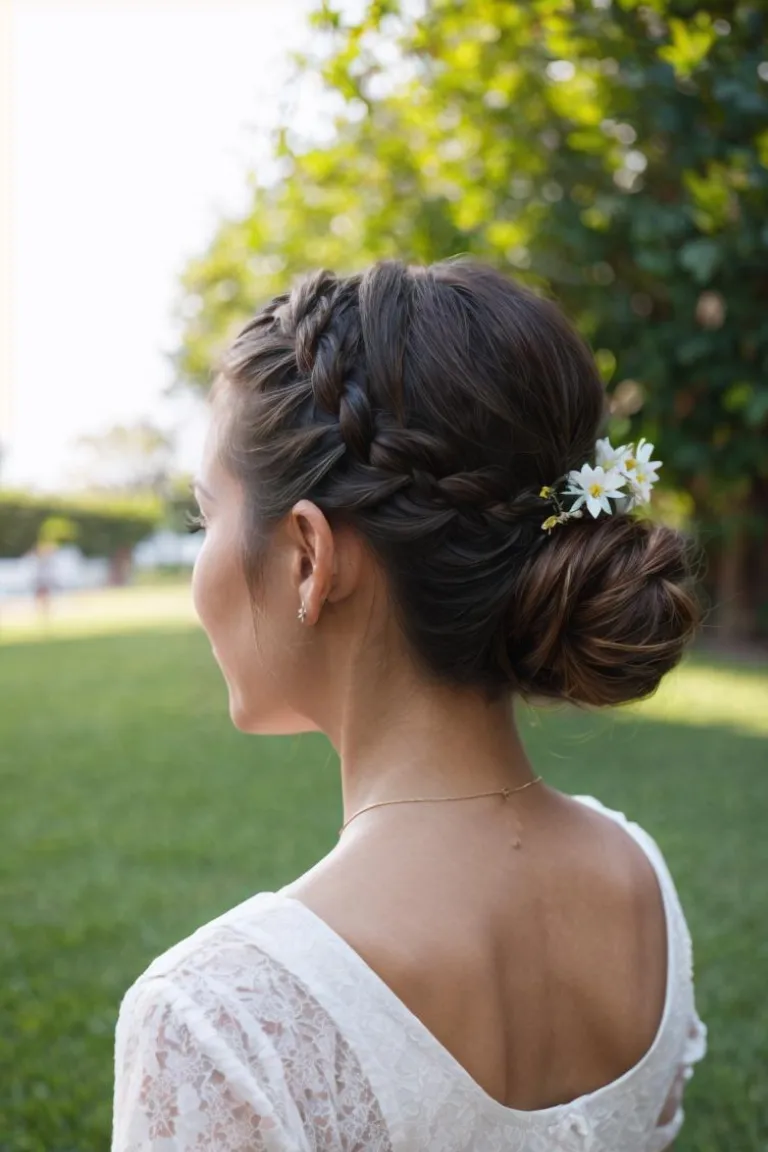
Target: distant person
43 577
406 530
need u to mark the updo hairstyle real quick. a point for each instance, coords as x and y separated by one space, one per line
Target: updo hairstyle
426 407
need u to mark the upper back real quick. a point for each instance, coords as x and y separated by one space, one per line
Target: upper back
542 971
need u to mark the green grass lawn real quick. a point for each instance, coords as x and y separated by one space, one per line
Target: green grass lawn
132 812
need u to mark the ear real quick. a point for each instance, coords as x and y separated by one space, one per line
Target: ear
326 562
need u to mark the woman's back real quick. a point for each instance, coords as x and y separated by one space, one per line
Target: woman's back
542 970
268 1021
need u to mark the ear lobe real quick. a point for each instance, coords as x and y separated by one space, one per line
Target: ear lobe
316 559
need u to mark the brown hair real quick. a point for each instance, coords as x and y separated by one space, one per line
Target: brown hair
426 407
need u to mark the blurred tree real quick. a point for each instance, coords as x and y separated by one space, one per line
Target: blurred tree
615 154
126 458
57 530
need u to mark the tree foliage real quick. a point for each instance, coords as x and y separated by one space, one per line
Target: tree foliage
613 154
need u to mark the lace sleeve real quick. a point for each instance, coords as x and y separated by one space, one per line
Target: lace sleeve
671 1119
187 1082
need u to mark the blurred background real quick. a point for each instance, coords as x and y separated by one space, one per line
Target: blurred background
165 167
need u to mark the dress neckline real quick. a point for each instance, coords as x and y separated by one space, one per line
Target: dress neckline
442 1055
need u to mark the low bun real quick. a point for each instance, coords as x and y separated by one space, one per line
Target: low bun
602 612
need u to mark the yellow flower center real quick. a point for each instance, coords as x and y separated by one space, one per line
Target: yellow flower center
596 489
630 463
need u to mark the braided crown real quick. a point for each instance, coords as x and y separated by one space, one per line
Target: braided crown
365 405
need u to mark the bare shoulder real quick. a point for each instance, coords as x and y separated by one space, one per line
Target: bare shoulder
614 849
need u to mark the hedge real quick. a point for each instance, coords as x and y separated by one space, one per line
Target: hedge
103 524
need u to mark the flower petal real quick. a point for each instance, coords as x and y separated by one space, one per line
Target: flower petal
586 472
604 451
644 450
614 478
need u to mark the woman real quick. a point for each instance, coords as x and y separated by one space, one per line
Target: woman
404 533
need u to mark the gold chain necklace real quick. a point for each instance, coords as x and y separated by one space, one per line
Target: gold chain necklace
505 792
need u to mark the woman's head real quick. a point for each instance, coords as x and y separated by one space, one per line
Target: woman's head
390 432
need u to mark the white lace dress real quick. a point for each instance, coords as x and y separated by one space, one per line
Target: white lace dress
265 1031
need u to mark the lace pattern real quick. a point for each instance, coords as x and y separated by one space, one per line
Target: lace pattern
264 1031
231 1053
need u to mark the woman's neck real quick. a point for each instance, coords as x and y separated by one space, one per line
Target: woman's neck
420 739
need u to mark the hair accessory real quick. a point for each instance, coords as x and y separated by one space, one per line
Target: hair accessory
625 475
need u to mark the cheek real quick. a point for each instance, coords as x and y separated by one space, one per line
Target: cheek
254 655
222 603
218 586
201 578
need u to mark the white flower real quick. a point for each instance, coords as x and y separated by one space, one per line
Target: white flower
625 475
641 484
641 472
640 459
609 457
595 486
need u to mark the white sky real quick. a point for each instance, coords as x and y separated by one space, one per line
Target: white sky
133 123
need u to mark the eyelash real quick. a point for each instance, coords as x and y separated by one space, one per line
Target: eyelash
193 523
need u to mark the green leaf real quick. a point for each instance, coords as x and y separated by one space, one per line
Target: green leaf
738 396
701 258
691 41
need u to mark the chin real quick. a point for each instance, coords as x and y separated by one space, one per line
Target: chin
279 722
243 718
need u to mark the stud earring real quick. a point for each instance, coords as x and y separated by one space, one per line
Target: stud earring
302 613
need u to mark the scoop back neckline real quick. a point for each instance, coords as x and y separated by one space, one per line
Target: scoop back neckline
430 1042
